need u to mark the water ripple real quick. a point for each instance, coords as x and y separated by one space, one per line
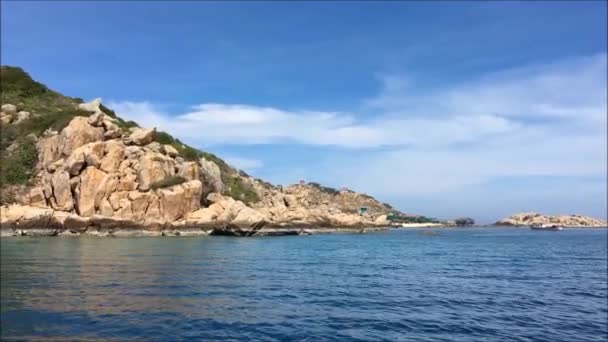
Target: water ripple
464 285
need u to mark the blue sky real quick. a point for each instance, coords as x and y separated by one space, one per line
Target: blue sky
441 108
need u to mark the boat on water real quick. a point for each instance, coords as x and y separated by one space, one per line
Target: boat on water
546 226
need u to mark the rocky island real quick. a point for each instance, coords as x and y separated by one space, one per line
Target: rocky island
71 168
573 221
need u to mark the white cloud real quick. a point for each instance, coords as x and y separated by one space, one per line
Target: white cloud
528 121
242 163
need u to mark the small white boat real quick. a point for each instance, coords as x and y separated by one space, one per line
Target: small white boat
546 226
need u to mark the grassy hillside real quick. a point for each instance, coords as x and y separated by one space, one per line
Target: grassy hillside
52 110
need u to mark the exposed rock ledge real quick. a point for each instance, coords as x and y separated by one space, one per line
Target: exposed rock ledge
19 220
526 219
97 178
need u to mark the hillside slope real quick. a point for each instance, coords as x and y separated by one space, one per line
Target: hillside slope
89 170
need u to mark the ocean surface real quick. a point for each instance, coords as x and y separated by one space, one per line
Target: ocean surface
478 284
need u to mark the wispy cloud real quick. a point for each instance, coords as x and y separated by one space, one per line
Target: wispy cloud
243 163
530 121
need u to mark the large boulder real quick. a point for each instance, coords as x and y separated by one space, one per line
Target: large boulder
179 200
211 177
9 109
142 136
93 106
189 170
22 116
86 192
248 218
205 215
171 202
139 204
37 198
154 167
77 133
170 151
89 154
48 149
115 153
62 192
5 119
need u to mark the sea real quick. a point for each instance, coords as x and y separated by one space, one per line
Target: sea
469 284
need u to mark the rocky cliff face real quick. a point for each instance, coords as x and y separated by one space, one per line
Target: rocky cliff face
96 172
526 219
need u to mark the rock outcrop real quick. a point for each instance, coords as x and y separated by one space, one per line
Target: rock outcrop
95 177
526 219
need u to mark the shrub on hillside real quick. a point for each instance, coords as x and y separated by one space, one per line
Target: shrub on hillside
239 190
19 165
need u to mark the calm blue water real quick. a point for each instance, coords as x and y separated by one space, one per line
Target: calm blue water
463 285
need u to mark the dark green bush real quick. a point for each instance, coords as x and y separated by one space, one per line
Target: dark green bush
237 189
19 165
167 182
325 189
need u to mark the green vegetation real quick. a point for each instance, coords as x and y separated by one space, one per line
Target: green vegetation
265 183
411 219
18 165
325 189
237 189
50 109
20 89
167 182
53 110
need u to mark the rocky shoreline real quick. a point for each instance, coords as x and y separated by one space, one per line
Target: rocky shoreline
96 177
19 220
567 221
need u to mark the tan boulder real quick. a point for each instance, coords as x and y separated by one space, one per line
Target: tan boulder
22 116
154 147
170 151
77 133
153 210
139 204
75 163
89 154
153 167
48 150
115 153
86 193
249 218
106 187
208 214
112 134
5 119
211 176
125 209
142 136
189 170
105 208
93 153
37 198
172 200
9 109
382 220
93 106
62 192
96 119
109 125
116 197
192 196
128 181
